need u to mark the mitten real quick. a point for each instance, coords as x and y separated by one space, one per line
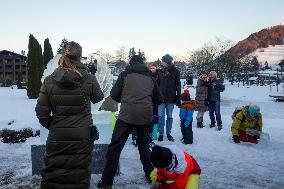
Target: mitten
236 139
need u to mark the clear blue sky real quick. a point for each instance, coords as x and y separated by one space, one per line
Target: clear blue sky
155 26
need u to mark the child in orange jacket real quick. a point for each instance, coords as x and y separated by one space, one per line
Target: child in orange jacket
174 169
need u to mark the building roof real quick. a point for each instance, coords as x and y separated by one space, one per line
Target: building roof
10 53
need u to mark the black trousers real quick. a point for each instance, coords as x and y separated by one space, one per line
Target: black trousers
118 140
187 133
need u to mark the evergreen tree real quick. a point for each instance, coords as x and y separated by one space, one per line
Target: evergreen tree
131 53
254 65
142 54
62 46
47 53
35 67
19 80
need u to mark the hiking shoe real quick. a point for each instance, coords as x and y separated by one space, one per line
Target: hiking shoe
161 138
148 178
152 144
134 142
170 138
200 125
187 142
219 127
101 185
212 125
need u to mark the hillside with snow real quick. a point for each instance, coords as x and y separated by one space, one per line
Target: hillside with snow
272 54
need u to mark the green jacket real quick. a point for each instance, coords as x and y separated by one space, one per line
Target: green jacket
242 122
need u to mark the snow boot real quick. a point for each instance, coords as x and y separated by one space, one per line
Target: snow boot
101 185
212 125
219 127
200 125
170 138
161 138
134 142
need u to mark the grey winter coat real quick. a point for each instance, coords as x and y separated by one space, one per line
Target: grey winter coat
138 92
201 96
61 109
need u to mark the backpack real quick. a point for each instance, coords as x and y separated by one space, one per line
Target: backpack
236 111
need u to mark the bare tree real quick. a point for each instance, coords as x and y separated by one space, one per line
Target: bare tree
208 57
105 55
121 53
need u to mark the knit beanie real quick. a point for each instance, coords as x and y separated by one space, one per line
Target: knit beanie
73 50
161 157
185 96
167 59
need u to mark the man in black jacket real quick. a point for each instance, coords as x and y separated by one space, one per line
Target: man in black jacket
170 87
137 92
215 86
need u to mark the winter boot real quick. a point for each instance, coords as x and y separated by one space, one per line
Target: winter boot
161 138
134 142
219 127
212 125
188 134
200 125
101 185
170 138
148 178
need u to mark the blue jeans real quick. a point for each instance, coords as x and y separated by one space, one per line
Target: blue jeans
169 107
214 107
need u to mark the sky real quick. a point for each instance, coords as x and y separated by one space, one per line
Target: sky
156 27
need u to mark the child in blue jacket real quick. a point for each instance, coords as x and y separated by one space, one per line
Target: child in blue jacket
186 117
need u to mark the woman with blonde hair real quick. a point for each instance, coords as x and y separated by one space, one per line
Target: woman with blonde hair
64 108
201 99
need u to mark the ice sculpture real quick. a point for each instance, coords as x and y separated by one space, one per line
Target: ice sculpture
105 79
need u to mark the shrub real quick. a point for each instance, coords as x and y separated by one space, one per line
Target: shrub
12 136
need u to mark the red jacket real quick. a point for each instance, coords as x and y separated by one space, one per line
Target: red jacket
178 180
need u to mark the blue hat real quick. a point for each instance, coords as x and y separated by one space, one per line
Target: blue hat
253 110
167 59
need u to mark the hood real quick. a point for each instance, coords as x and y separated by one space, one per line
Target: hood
65 78
139 68
181 166
245 110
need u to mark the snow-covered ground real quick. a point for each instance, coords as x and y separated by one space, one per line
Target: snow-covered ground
224 164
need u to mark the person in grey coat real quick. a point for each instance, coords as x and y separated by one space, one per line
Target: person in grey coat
201 99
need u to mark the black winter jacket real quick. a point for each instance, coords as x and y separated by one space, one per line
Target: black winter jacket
214 88
169 85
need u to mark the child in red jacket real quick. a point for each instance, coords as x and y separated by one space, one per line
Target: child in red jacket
174 169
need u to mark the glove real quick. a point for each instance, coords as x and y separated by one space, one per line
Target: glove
178 103
236 139
256 136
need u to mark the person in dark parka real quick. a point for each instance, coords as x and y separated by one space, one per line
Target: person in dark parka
169 84
215 87
62 110
137 92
